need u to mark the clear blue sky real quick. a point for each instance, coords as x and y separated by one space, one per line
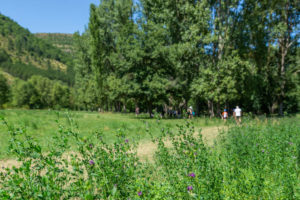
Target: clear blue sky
49 16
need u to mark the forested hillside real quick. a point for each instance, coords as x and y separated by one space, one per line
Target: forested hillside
33 72
59 40
23 55
210 54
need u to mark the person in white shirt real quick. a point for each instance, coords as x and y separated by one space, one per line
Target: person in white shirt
238 115
190 112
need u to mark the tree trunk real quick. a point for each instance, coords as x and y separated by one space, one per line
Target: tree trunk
124 108
210 106
150 109
284 44
186 104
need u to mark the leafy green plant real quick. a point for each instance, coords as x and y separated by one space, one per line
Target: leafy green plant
258 160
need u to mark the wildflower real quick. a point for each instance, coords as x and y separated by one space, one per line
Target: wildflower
92 162
140 193
126 141
190 188
192 175
290 143
91 146
263 150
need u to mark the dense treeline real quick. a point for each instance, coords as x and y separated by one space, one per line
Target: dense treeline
161 55
211 54
19 48
36 93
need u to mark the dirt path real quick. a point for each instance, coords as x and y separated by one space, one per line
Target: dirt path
145 150
8 163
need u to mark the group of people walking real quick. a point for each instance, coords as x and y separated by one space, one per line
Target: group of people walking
237 114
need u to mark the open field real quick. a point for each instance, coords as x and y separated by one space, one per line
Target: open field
257 160
42 124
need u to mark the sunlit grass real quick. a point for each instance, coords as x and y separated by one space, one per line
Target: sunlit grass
42 124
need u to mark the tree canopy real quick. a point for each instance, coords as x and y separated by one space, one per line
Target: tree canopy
210 54
163 56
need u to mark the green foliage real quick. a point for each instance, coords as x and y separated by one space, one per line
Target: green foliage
18 42
163 56
4 90
4 57
263 161
62 41
24 71
211 54
40 92
244 163
223 83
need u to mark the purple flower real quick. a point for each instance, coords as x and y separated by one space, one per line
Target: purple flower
140 193
126 141
91 146
92 162
192 175
190 188
263 150
290 143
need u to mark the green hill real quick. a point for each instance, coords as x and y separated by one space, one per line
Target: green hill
60 40
22 54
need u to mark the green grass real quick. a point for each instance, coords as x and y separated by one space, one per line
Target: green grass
257 160
42 124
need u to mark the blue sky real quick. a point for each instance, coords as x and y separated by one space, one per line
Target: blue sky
49 16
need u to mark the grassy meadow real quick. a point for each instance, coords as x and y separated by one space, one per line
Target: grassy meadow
256 160
42 124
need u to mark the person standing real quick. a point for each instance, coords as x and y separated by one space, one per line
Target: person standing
137 111
225 115
190 112
238 115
